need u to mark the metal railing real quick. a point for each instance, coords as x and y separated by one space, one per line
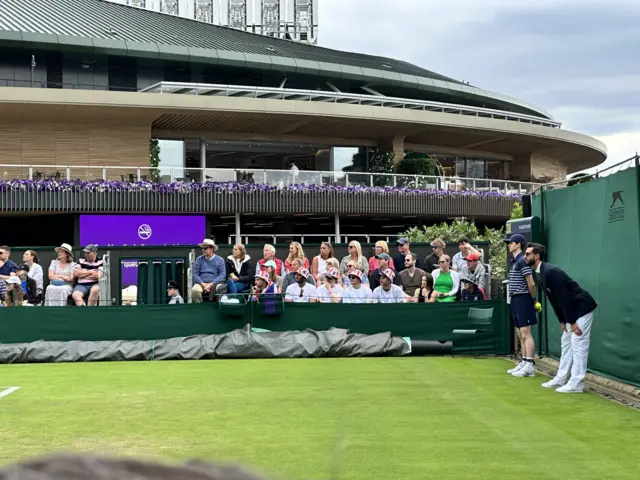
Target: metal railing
272 93
274 178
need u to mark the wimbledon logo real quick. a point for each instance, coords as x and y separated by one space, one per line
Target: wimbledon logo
144 231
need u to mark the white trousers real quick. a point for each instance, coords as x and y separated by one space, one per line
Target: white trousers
575 353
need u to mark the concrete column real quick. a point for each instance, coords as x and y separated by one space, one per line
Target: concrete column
203 160
336 220
394 145
238 235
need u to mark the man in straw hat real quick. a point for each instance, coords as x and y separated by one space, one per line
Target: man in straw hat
208 272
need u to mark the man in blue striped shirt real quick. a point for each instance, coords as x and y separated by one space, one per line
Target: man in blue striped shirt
522 296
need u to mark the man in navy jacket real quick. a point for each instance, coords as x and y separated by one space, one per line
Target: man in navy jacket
574 308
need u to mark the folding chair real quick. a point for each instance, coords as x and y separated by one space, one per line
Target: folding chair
483 319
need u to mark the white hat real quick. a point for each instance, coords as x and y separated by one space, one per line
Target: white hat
207 242
14 280
65 247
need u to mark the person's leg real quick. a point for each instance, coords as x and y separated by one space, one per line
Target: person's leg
514 316
529 346
566 360
231 286
94 295
580 347
242 287
196 294
78 295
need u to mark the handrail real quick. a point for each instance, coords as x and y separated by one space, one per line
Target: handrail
274 93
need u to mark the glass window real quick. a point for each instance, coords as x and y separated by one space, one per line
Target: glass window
346 157
476 169
171 160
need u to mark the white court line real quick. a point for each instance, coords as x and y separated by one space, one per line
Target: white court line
8 391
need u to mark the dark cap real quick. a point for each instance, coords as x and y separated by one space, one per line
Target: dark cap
384 256
469 280
516 237
172 284
402 241
23 267
93 248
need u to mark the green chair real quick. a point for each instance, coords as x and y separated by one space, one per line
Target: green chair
482 318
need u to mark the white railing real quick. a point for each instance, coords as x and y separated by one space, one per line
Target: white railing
241 91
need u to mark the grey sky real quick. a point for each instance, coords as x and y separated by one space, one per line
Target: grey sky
577 59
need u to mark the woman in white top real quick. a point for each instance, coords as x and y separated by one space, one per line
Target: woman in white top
319 262
330 291
60 278
35 269
355 254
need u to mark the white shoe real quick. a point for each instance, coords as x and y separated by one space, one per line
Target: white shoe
517 367
553 383
526 371
568 388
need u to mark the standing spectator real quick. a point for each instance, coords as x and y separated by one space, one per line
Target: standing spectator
411 277
387 292
319 262
60 277
446 281
35 269
88 272
426 292
290 278
295 251
239 270
384 260
465 250
269 253
7 267
29 286
173 291
355 254
380 247
209 271
301 291
404 249
330 291
432 260
474 270
356 292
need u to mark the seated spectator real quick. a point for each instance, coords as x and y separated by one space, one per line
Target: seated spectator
60 277
173 292
387 292
380 247
319 262
330 291
357 292
3 291
290 278
7 267
403 245
35 269
425 293
355 255
263 286
410 278
301 291
29 286
270 267
351 267
431 262
14 296
465 250
88 272
240 270
446 281
384 260
470 291
474 270
295 251
209 271
269 253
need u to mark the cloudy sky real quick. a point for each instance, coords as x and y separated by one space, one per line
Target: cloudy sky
577 59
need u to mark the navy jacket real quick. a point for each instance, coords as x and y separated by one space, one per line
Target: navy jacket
568 299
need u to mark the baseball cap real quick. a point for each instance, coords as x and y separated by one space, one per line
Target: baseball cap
402 241
270 263
389 274
472 257
384 256
517 238
24 267
91 248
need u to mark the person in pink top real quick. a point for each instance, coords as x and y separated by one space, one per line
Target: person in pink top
380 247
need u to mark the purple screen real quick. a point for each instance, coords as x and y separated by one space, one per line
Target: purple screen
129 272
119 230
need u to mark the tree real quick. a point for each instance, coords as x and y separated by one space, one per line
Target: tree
154 159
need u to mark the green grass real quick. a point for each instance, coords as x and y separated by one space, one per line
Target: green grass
395 418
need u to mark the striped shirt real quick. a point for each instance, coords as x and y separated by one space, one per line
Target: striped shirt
517 276
84 264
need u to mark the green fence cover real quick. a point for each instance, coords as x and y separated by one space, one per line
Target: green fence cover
592 232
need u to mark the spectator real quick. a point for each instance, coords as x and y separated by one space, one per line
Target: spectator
14 296
295 251
270 267
239 270
301 291
403 247
7 267
269 253
330 291
208 272
319 262
352 267
355 254
380 247
173 292
290 278
60 277
387 292
425 293
410 278
35 269
431 262
263 286
333 262
88 272
383 261
446 281
465 250
475 271
3 291
356 292
470 291
28 285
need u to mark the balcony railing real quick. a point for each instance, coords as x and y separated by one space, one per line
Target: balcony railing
216 90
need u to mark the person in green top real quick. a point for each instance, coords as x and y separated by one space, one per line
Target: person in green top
446 281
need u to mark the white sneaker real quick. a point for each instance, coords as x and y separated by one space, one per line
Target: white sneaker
517 367
526 371
553 383
568 388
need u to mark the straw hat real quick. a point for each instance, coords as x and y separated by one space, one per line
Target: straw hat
65 247
207 242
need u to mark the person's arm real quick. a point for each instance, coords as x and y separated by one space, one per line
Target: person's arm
246 279
196 271
528 276
482 276
288 296
5 277
343 265
220 271
38 276
456 284
314 267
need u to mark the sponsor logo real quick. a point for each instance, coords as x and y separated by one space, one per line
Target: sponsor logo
616 209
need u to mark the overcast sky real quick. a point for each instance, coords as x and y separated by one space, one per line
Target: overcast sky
577 59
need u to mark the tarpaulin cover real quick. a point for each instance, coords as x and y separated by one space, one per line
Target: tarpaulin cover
240 343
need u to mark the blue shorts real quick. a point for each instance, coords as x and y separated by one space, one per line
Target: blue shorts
85 288
523 312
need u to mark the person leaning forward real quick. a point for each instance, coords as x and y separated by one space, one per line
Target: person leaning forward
209 270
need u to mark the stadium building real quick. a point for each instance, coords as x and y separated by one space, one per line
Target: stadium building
87 85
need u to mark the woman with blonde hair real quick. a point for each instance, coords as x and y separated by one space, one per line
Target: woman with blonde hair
380 247
446 282
60 277
295 251
319 262
355 254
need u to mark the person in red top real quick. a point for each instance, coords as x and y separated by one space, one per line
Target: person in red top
269 253
295 251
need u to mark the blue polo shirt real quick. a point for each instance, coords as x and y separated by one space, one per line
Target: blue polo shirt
8 268
517 276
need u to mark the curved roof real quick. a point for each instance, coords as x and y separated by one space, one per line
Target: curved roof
123 30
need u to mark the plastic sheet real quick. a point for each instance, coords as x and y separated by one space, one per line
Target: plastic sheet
240 343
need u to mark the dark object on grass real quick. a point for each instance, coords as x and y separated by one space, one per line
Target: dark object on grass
431 347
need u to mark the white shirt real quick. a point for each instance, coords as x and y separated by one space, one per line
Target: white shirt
323 295
36 273
393 295
322 265
293 293
357 295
